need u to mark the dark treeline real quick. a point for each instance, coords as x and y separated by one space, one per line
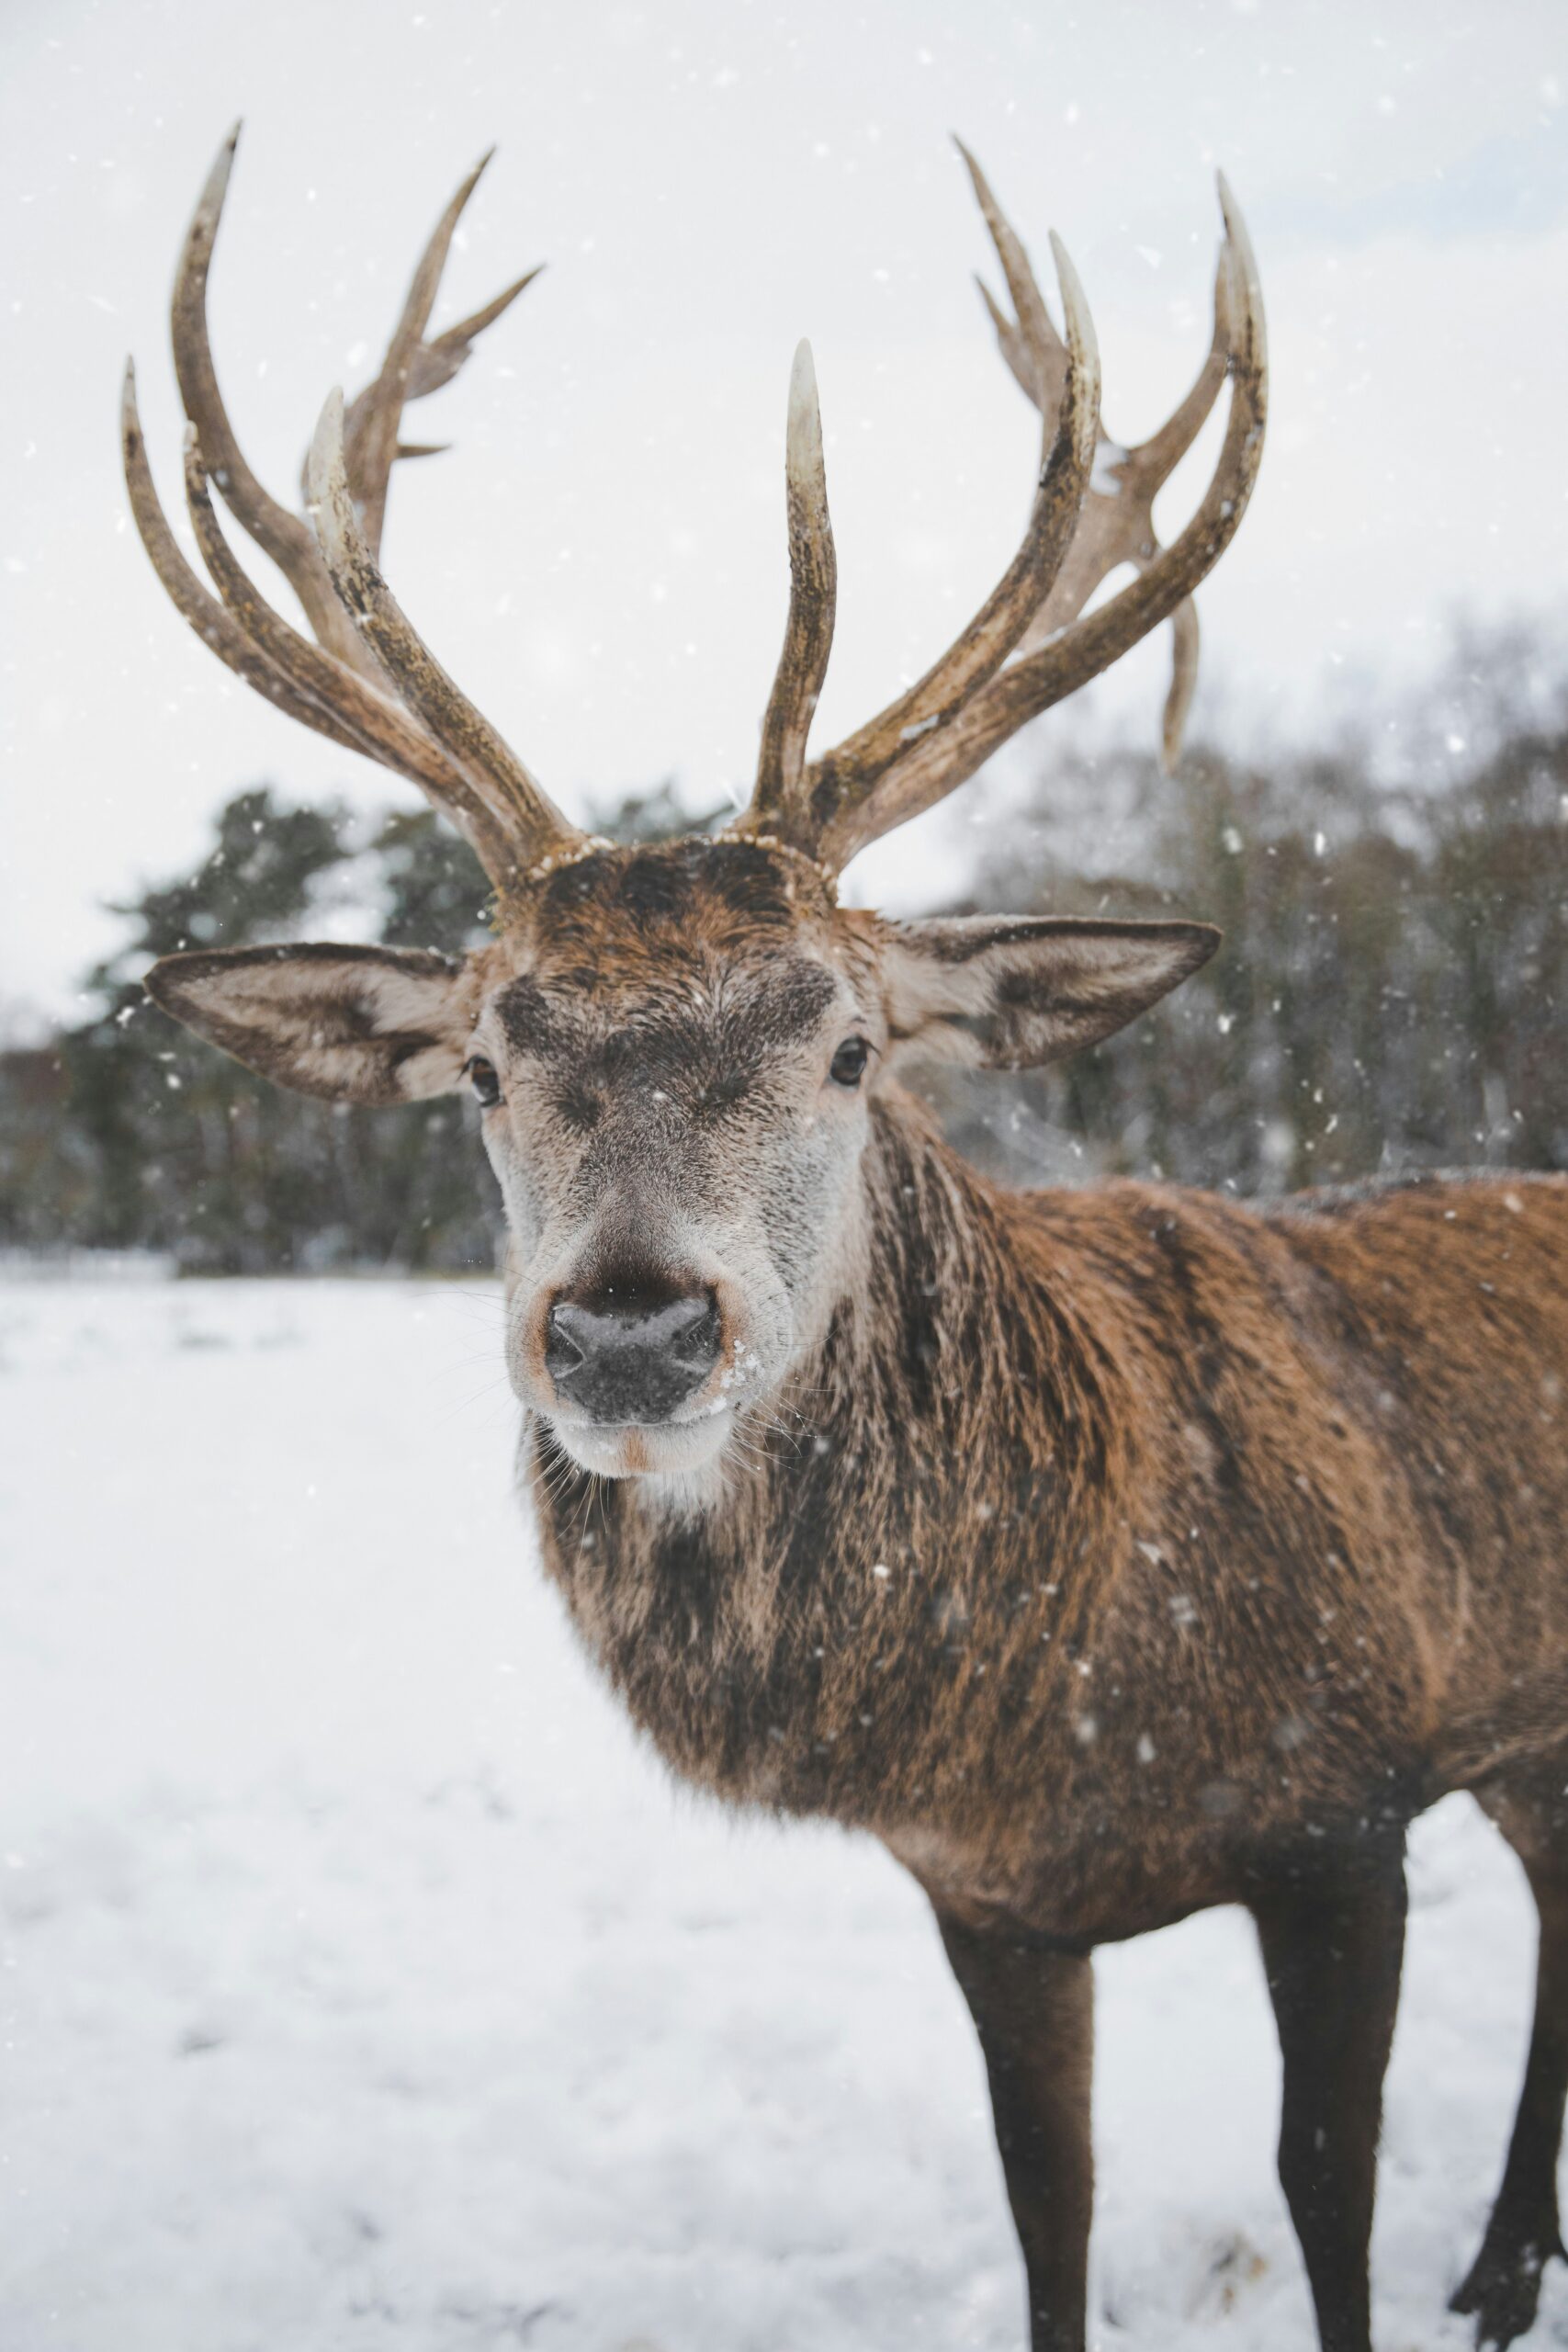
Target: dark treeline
1389 995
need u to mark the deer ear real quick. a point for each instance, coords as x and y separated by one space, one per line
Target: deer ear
352 1024
1011 993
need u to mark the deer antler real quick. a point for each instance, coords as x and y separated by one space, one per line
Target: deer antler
813 595
1031 644
1066 455
368 681
1117 523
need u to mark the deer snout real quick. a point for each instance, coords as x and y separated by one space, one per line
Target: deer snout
632 1356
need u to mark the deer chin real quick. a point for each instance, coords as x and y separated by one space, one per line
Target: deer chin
676 1451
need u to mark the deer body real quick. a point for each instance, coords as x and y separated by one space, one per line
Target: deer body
1112 1539
1107 1554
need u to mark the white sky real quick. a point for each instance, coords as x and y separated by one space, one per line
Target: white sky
601 558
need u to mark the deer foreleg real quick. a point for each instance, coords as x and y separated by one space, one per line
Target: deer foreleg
1333 1938
1034 2008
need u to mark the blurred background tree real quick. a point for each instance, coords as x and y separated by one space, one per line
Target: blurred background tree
1388 994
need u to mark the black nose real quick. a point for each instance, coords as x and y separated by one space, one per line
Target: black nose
632 1355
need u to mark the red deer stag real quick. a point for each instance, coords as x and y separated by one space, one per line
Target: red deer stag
1108 1554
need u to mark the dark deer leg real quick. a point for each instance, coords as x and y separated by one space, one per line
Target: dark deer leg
1504 2285
1033 2009
1332 1939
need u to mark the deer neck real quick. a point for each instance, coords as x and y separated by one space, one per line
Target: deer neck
900 1549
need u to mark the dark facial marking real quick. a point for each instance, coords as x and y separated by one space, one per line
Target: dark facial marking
579 1106
525 1016
745 1014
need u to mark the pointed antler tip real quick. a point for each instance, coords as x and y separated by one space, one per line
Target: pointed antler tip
804 431
1237 281
1230 210
222 164
473 179
1076 314
802 382
972 165
209 203
326 443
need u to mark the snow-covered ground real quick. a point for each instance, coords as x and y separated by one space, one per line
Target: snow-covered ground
364 1984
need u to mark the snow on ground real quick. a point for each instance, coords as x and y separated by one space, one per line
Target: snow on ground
363 1984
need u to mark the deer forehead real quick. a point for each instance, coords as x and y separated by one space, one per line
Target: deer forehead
693 1011
699 894
691 946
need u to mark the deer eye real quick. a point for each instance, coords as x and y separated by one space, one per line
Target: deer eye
848 1064
484 1082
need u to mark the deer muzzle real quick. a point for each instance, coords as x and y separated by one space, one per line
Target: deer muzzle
632 1358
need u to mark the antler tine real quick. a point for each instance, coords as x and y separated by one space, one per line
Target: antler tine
297 677
1014 350
943 760
360 716
1156 459
1031 345
813 592
1185 640
190 595
353 686
279 533
314 695
535 827
435 363
1117 524
413 368
847 774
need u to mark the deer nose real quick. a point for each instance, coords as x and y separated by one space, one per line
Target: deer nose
626 1355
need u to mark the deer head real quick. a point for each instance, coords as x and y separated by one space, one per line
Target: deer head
679 1051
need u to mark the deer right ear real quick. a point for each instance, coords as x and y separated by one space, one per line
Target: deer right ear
1014 992
351 1025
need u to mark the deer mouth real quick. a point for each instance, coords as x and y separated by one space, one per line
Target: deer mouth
645 1449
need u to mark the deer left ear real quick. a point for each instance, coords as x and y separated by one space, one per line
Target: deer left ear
349 1025
1011 993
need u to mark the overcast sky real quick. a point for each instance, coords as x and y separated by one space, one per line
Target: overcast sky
601 560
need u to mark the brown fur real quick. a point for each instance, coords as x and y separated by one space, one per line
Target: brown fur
1203 1529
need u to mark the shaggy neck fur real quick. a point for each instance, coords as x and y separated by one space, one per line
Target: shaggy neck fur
803 1642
